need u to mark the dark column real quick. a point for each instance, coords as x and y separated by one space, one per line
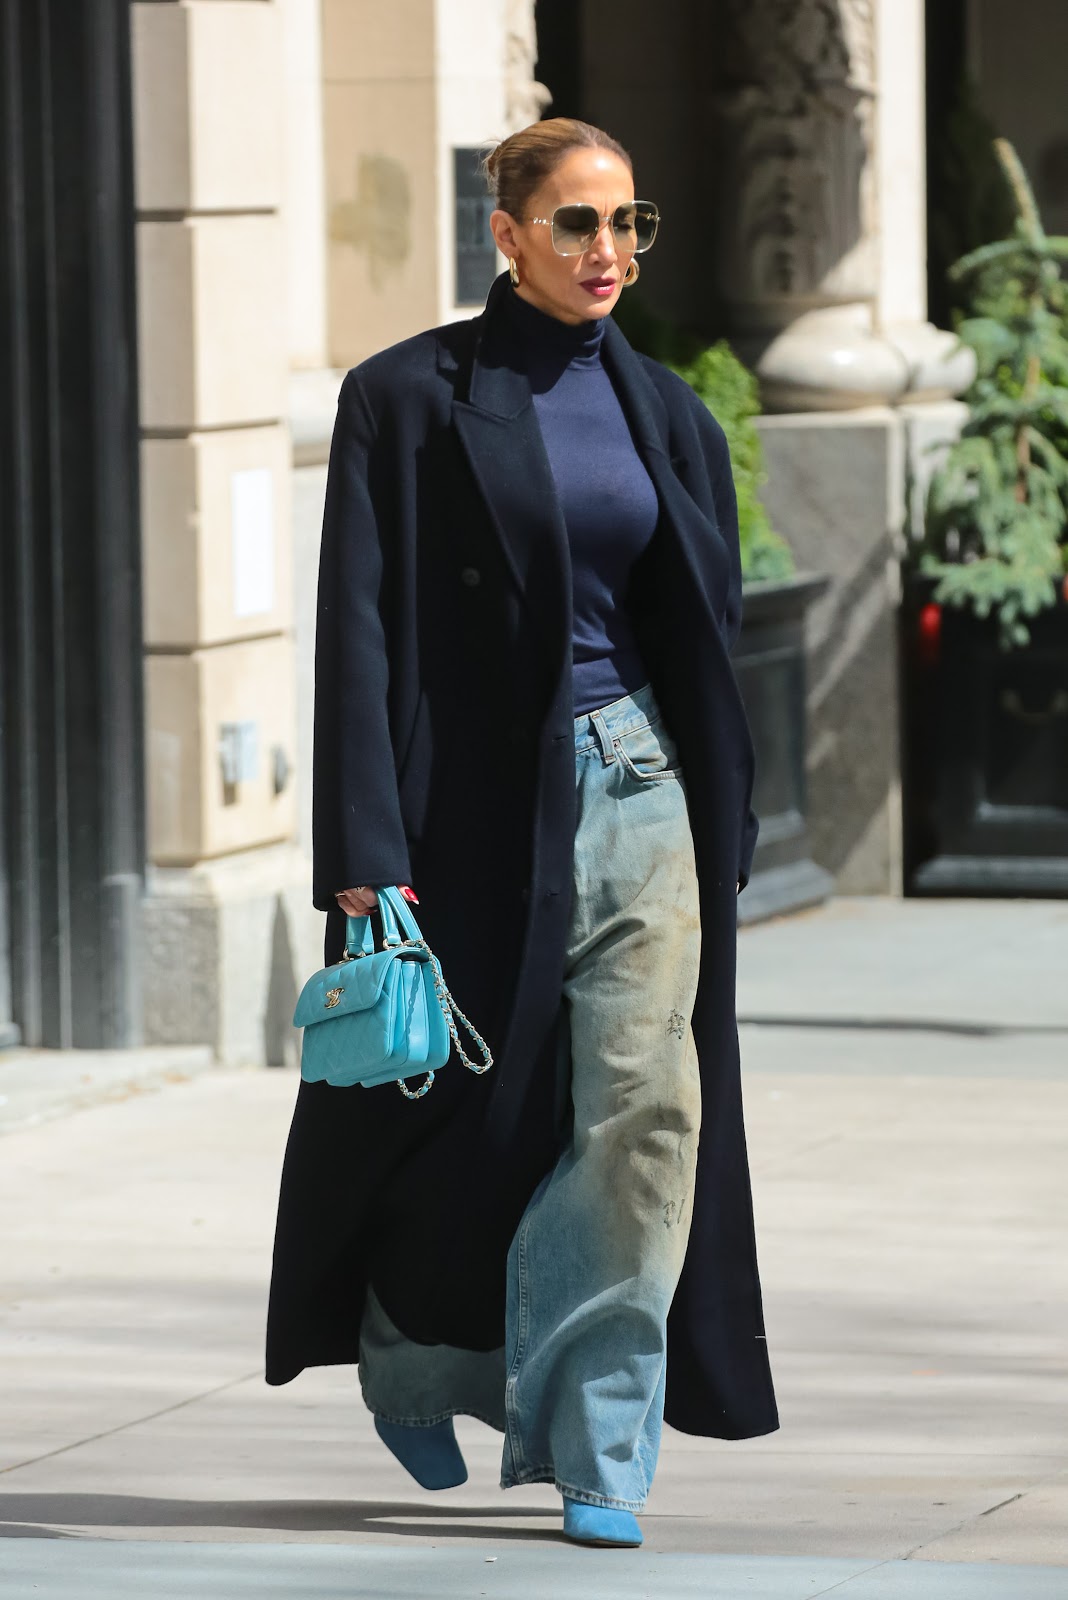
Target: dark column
559 64
70 642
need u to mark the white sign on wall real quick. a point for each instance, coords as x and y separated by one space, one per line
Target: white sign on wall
252 541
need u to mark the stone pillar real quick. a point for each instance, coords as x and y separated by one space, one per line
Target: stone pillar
226 882
303 197
819 107
379 97
404 86
312 383
824 219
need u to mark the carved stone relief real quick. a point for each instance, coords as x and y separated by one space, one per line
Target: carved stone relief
798 115
795 108
524 97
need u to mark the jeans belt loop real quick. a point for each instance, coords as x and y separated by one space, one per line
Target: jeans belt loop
604 738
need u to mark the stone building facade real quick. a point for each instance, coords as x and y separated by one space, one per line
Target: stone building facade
295 177
305 193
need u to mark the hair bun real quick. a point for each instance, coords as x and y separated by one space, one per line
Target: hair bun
519 164
489 164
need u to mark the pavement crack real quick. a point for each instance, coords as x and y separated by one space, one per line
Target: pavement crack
991 1509
134 1422
958 1527
851 1577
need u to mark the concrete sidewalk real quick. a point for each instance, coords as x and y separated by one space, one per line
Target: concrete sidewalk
38 1085
907 1110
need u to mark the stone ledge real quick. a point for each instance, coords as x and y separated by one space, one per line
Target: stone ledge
228 944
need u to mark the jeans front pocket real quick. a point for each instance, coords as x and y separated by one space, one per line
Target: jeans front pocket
649 754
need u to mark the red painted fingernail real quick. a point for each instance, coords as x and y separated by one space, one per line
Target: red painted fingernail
410 894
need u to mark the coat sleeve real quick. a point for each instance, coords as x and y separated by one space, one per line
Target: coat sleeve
721 478
357 833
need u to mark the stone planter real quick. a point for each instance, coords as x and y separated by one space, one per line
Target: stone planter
769 659
984 752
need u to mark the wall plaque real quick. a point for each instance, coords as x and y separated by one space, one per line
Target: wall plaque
477 263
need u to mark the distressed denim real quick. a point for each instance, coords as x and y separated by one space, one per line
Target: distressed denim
578 1388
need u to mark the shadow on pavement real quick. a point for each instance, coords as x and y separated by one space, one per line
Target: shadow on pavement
36 1516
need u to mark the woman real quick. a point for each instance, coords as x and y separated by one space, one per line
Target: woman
525 708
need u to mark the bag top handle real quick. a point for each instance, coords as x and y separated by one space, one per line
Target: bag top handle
391 934
397 921
359 938
401 911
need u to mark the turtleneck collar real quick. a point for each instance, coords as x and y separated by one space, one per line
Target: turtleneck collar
578 342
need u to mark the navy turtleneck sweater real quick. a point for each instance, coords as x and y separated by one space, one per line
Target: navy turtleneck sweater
609 503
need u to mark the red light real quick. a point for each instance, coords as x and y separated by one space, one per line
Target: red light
930 631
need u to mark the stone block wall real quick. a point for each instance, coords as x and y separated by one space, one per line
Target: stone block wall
226 935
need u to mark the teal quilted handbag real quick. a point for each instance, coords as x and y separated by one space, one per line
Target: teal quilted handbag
380 1016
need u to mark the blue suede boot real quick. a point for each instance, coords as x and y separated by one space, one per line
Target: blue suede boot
600 1524
431 1455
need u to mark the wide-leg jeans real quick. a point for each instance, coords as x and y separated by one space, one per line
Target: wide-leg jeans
578 1386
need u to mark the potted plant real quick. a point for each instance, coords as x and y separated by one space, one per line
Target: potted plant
985 619
769 656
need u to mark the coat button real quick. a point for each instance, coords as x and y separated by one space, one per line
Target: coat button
471 576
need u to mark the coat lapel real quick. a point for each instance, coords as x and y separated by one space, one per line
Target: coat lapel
494 415
500 433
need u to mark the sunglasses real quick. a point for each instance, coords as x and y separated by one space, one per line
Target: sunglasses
575 228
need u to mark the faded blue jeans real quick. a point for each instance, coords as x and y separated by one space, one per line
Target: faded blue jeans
578 1387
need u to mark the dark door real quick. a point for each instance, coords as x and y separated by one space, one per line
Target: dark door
71 786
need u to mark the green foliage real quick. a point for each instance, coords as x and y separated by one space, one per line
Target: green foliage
654 335
996 532
731 393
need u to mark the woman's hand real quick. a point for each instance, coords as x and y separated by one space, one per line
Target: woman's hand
360 902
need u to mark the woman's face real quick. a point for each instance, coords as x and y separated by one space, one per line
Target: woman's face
564 286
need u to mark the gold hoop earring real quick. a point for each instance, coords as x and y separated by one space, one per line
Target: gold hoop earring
513 271
627 279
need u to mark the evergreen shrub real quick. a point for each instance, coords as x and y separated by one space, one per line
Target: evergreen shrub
732 394
996 530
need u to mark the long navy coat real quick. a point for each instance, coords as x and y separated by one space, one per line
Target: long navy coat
444 758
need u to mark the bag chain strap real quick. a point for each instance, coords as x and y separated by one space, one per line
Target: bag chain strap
451 1011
